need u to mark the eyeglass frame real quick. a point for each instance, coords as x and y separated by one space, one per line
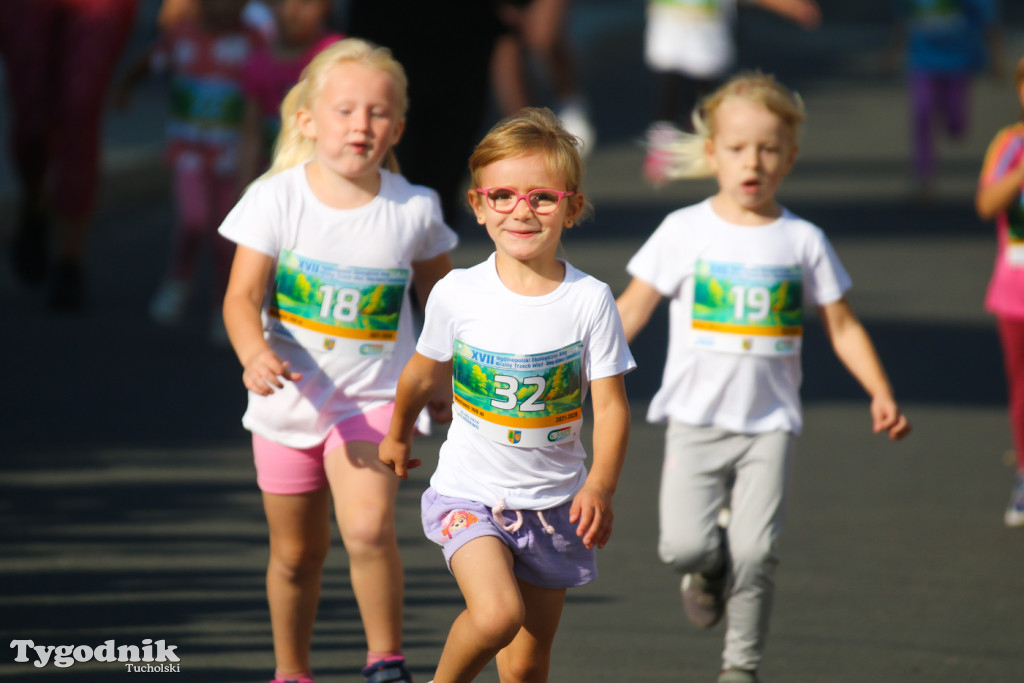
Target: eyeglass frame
519 197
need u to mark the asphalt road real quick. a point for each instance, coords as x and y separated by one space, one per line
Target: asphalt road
128 506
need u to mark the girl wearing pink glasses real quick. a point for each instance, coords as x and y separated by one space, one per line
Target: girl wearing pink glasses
523 337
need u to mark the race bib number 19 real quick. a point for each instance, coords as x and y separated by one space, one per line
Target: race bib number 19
337 308
740 308
529 401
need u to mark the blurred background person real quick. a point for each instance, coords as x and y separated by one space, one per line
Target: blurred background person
203 52
690 45
944 44
59 58
536 40
1001 196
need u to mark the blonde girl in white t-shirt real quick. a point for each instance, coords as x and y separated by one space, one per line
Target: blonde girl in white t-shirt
738 269
317 310
521 338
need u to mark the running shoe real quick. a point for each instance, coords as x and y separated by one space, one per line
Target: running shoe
737 676
703 599
388 671
661 137
1015 512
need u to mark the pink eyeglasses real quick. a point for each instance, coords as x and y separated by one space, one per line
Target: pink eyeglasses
541 201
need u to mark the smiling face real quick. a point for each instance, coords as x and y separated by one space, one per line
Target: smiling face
354 122
751 152
522 235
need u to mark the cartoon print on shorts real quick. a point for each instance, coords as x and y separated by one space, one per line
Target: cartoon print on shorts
456 520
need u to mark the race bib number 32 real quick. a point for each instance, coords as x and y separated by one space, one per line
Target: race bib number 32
740 308
337 308
529 401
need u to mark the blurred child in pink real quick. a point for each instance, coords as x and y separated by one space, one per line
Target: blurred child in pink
204 55
1001 196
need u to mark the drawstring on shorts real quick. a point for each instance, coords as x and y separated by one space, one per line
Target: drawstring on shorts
499 518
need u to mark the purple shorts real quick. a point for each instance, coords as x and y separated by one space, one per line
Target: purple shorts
288 471
548 560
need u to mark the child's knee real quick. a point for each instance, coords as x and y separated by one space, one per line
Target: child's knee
689 554
496 622
371 533
534 667
295 561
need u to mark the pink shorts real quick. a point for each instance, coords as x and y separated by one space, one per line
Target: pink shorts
287 471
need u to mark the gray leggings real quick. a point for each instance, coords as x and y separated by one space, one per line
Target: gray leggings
699 462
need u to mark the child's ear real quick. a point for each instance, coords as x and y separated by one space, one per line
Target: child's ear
476 203
576 204
794 152
709 153
399 130
305 123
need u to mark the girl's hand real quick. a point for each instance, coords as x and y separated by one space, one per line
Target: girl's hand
886 416
263 373
592 508
395 456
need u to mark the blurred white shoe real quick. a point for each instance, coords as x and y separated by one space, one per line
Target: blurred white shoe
170 302
573 115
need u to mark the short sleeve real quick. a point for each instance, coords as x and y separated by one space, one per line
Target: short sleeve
657 261
254 220
607 351
1002 152
827 280
438 336
438 238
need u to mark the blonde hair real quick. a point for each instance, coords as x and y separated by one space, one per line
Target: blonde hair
689 157
533 129
292 148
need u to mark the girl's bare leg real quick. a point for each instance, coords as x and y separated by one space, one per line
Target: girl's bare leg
527 659
299 541
364 503
494 610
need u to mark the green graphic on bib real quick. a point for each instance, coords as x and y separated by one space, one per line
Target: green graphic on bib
740 308
530 400
207 104
695 9
345 308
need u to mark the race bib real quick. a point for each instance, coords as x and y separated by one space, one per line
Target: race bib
740 308
344 309
530 401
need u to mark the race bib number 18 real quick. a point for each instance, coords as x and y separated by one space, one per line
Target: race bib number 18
529 401
337 308
741 308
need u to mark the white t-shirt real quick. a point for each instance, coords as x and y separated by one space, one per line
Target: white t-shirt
337 306
736 315
522 366
691 37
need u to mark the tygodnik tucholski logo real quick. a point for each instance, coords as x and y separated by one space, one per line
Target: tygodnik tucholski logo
150 656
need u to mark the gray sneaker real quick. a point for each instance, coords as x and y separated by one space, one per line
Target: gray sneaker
737 676
703 599
1015 512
